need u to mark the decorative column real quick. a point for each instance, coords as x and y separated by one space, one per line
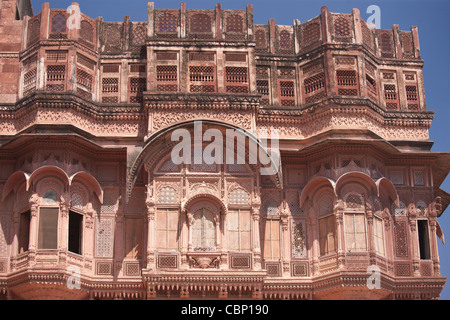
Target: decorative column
339 214
256 205
285 238
433 211
34 208
88 248
63 226
370 235
412 219
184 238
151 211
389 241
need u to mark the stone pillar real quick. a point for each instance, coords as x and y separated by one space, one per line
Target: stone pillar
285 252
256 237
151 211
371 236
339 214
34 208
412 219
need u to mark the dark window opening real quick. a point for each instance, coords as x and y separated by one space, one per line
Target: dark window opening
48 228
75 232
24 232
424 240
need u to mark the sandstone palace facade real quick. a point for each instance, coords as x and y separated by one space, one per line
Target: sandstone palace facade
93 207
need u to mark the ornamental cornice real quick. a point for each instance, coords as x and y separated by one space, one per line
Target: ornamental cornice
201 101
63 101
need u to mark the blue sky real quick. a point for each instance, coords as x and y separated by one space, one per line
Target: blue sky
430 16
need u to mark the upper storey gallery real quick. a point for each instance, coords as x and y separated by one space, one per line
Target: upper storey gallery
222 51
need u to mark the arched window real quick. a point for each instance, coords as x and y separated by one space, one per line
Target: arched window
204 231
50 197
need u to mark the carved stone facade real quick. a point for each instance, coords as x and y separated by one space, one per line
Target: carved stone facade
90 195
